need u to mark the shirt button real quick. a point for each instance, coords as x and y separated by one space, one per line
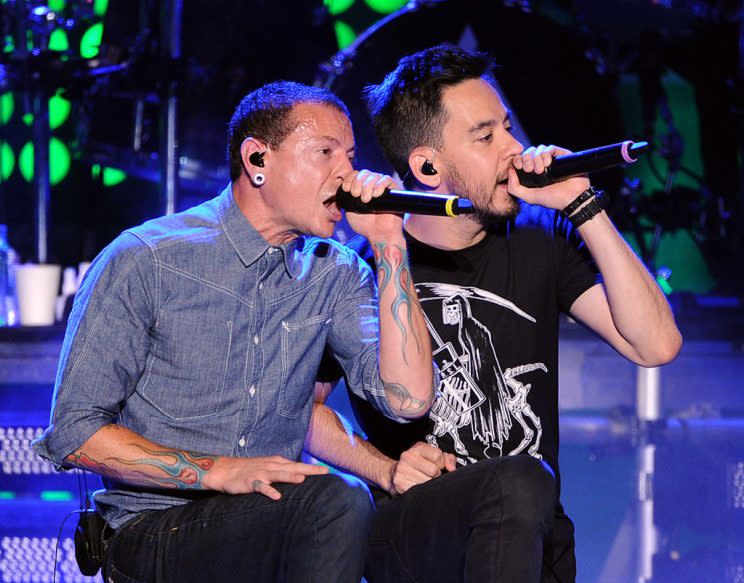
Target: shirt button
260 285
255 340
241 441
252 390
271 250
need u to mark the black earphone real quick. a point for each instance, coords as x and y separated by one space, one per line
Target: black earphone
257 159
428 169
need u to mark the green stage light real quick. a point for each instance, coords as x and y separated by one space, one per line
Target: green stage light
56 5
7 161
26 161
58 41
345 35
91 41
386 6
59 161
56 496
338 6
7 495
113 176
664 285
6 107
59 111
100 7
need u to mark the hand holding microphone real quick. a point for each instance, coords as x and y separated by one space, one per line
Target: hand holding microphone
553 177
574 164
363 188
545 168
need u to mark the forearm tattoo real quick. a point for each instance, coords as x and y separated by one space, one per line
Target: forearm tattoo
183 470
408 404
392 266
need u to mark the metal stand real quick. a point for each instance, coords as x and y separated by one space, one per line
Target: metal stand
32 83
648 404
170 49
41 183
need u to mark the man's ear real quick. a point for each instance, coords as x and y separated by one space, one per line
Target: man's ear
252 152
423 162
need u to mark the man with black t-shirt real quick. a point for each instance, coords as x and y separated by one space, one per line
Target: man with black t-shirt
473 489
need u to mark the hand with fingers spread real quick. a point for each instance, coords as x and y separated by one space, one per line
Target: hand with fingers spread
418 464
367 185
555 196
245 475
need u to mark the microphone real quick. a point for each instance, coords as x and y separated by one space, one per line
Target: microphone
405 201
583 162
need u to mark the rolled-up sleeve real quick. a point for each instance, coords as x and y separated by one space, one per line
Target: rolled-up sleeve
105 348
353 339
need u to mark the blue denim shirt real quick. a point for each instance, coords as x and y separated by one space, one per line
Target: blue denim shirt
194 332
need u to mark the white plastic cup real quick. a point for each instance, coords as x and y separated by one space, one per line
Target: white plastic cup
37 287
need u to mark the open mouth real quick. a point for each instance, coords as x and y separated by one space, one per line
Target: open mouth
332 208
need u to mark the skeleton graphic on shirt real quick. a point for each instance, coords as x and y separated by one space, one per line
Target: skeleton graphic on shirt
476 393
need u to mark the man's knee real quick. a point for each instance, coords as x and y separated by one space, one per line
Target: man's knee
527 488
532 490
343 498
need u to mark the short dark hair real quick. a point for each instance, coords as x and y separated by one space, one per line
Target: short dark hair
265 114
406 108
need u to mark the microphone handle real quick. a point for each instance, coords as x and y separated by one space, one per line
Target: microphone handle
582 162
402 201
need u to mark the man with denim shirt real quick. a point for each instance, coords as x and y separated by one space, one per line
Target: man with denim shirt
202 332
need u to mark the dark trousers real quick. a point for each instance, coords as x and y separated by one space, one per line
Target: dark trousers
316 532
492 521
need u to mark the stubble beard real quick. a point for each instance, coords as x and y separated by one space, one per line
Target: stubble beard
482 195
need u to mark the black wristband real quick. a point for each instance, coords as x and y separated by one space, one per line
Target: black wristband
576 203
591 209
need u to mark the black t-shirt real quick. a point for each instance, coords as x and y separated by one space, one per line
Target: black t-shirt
492 311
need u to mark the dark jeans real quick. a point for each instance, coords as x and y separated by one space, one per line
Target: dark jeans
317 531
559 556
486 522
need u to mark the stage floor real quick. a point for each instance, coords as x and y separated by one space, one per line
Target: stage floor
663 499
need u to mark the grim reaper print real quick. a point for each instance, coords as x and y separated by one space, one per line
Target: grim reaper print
477 395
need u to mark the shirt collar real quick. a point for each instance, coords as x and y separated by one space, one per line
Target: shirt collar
248 242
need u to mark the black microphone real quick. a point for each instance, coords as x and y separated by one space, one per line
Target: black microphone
405 201
582 162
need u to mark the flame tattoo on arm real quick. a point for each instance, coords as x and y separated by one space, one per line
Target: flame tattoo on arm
393 270
392 266
184 470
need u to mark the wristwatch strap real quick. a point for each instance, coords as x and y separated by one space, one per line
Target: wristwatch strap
591 209
578 201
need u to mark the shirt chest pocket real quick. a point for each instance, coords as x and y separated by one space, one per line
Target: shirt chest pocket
187 368
302 346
